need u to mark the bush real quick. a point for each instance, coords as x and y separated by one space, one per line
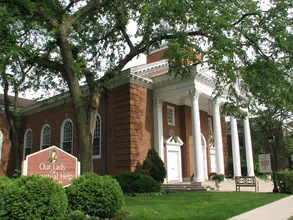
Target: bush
95 195
218 177
154 166
137 183
75 215
285 181
32 197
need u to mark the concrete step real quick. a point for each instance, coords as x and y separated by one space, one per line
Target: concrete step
186 187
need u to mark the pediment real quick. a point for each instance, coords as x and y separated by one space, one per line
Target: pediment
173 140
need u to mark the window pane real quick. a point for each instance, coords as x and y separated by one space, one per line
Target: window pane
170 115
28 143
46 137
97 138
67 137
67 147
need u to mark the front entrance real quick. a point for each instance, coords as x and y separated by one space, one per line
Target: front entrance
174 167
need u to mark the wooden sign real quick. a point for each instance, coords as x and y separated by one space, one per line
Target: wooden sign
52 162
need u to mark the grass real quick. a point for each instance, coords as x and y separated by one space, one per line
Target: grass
196 205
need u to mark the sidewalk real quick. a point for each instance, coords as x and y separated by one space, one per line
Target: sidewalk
278 210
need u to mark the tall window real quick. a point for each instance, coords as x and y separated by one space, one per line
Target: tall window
28 143
1 144
45 137
97 139
170 115
67 136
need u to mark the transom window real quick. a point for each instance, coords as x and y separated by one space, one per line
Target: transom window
28 143
97 139
45 137
170 115
67 136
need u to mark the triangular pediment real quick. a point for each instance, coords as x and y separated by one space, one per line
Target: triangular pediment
174 140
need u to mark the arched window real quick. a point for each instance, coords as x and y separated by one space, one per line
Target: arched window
28 142
97 139
45 137
1 144
67 136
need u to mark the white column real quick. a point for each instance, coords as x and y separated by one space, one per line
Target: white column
235 147
248 147
218 139
158 127
196 138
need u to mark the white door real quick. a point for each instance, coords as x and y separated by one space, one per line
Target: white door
173 165
213 161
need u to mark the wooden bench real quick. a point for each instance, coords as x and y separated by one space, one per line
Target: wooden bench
246 181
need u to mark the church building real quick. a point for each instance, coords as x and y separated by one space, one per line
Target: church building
145 107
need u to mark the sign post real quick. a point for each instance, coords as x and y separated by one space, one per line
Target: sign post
52 162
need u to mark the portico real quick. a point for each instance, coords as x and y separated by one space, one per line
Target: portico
200 155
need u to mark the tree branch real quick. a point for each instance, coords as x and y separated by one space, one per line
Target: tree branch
122 28
91 6
246 15
40 12
49 64
71 3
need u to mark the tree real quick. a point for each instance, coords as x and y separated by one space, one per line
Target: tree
274 122
13 73
77 39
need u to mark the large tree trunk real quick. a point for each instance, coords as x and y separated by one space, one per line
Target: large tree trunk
14 124
82 124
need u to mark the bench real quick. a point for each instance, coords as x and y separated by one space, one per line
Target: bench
246 181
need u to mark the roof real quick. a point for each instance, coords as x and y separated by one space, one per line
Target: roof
22 102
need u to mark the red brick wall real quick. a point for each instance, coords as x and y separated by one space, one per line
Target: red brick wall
141 123
7 164
53 117
156 56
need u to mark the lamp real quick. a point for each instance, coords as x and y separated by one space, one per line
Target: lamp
271 140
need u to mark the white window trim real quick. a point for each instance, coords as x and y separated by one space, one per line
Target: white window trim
62 134
42 135
24 146
1 145
173 115
99 156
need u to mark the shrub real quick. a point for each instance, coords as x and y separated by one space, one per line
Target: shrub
154 166
95 195
285 181
75 215
32 197
219 177
132 182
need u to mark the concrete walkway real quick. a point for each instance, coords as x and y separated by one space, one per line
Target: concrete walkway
278 210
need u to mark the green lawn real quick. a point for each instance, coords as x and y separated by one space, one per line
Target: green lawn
196 205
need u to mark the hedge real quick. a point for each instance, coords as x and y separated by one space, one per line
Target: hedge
132 182
285 181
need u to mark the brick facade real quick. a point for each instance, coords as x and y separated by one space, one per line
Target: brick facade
127 130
